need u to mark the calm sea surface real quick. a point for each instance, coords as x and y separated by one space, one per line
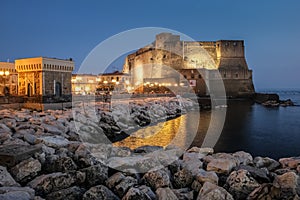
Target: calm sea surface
272 132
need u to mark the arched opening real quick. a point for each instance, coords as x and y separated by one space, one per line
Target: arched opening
58 89
29 90
6 91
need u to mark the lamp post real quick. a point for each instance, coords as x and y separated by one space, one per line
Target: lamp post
4 74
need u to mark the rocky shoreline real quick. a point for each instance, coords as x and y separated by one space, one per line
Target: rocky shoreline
42 156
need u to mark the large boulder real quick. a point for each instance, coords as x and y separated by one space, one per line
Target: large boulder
265 162
48 183
26 170
183 178
207 176
134 194
289 185
221 165
165 194
16 193
184 193
211 191
72 193
243 157
99 192
291 163
260 174
191 162
240 184
124 185
157 179
96 174
6 179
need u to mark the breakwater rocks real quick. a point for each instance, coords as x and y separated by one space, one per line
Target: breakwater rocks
271 100
42 156
69 171
120 118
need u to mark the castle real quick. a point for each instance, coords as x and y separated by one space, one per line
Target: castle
170 62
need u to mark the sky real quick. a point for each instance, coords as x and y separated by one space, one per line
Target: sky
71 29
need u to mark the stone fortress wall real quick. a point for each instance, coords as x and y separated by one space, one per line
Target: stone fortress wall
227 56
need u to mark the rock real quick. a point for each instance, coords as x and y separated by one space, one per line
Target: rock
55 141
291 163
269 163
102 151
115 179
4 136
134 194
96 174
99 192
20 195
289 185
221 166
184 194
52 129
120 152
165 194
282 171
196 186
243 157
183 178
16 193
11 155
147 149
205 151
6 179
65 164
204 176
211 191
59 163
265 191
147 190
26 170
31 139
48 150
174 166
240 184
124 185
49 183
191 162
259 174
72 193
157 179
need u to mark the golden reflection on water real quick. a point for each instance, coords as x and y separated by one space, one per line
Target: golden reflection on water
179 132
161 134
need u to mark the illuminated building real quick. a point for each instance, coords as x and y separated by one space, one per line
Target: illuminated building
46 79
200 64
8 79
89 84
84 84
117 82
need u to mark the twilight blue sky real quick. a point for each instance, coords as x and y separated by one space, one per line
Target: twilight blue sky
67 28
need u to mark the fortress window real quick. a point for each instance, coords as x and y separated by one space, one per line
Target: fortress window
184 76
164 56
236 75
192 76
234 44
224 75
199 76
